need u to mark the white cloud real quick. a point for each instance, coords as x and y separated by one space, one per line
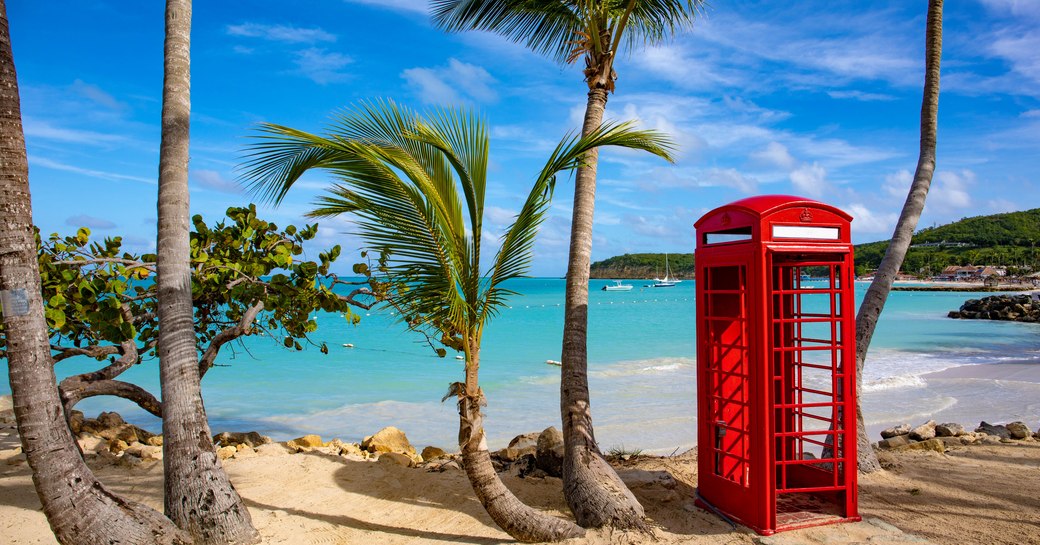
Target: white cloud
860 95
41 129
866 220
416 6
898 183
97 95
212 179
83 220
55 165
810 179
447 85
321 66
949 191
775 154
281 33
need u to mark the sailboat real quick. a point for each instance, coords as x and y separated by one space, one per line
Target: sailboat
667 281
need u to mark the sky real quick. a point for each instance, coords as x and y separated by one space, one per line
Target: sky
818 98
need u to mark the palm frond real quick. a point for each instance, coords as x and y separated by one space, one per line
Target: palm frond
544 26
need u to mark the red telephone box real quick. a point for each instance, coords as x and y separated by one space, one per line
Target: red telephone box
776 405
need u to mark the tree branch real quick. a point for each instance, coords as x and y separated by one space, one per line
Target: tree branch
244 327
81 390
105 260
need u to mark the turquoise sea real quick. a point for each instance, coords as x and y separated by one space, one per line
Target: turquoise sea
641 362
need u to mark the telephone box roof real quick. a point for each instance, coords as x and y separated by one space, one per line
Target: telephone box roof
764 205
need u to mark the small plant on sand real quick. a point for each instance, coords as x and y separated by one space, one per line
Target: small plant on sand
621 453
415 185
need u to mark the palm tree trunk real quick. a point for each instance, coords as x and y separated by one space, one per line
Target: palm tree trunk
79 508
510 514
874 300
595 493
199 497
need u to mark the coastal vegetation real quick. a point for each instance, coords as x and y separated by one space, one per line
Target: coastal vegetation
101 302
595 32
415 185
637 266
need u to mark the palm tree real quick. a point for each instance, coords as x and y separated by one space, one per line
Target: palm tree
874 300
78 507
416 187
198 496
567 30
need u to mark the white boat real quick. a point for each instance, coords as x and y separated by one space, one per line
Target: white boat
618 286
667 281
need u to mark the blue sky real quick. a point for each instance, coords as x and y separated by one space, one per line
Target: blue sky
817 98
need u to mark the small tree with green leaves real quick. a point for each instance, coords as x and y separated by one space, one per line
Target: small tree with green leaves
247 278
416 185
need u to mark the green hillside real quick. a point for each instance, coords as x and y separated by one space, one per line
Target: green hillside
643 266
1009 240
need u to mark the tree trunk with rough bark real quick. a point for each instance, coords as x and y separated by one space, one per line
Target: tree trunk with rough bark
199 496
78 507
594 492
874 300
516 518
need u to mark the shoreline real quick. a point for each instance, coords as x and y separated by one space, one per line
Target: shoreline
1019 371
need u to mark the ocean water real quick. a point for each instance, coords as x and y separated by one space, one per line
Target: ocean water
641 364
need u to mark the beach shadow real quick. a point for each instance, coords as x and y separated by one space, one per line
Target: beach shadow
357 524
667 495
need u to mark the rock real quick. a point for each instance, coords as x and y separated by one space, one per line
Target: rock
526 465
1018 430
895 431
951 441
89 443
449 465
305 443
115 446
894 442
226 452
991 440
432 453
923 432
930 444
251 439
144 452
246 452
110 420
274 449
1037 434
990 429
396 458
549 452
128 460
949 430
155 441
352 449
75 421
389 439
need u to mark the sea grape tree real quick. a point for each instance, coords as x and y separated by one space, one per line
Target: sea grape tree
247 278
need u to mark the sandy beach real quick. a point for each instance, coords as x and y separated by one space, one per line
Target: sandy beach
974 494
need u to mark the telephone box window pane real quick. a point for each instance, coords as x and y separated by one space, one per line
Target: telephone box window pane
799 231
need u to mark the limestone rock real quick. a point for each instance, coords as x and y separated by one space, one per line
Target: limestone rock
1018 430
923 432
351 449
951 441
115 446
895 431
990 429
111 420
155 441
389 439
144 452
895 441
396 458
949 429
76 419
226 452
90 444
549 452
432 453
305 443
930 444
251 439
526 465
274 449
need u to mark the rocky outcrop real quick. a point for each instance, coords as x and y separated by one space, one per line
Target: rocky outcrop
940 437
6 410
1017 308
389 439
250 439
549 452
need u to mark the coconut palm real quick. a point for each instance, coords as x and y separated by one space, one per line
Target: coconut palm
78 507
568 30
198 495
416 188
874 300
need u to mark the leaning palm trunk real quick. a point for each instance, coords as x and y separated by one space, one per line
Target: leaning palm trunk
78 508
594 492
874 300
510 514
198 496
